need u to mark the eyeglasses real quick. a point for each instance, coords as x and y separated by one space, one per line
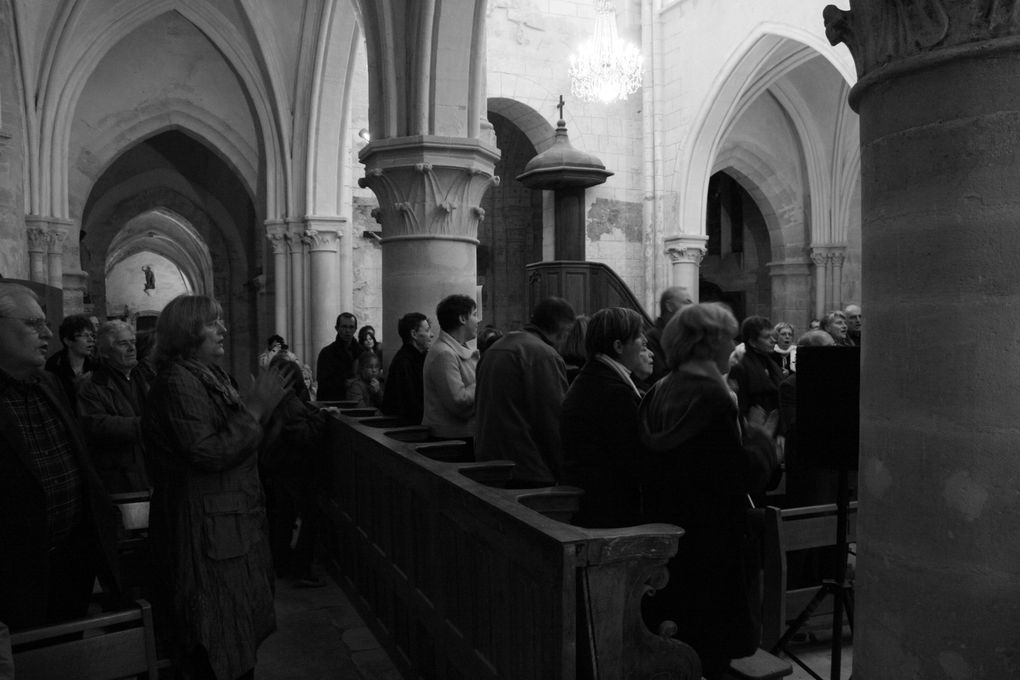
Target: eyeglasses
36 323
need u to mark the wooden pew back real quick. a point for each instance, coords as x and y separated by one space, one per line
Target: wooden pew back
461 577
103 647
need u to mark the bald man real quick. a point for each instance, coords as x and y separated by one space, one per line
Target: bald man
671 301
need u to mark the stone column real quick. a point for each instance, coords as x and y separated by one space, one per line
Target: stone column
686 252
820 257
323 236
296 309
37 247
55 254
938 561
276 232
837 257
429 190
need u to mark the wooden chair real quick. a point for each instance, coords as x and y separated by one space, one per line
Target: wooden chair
133 544
785 531
104 647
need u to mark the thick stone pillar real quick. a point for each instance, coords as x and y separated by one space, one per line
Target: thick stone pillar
685 255
296 310
429 190
323 236
276 232
938 562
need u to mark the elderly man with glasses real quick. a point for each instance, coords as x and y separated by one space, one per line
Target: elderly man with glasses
58 528
110 406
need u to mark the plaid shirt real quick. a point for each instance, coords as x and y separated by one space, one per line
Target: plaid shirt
52 460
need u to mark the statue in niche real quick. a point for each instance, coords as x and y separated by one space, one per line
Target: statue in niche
150 279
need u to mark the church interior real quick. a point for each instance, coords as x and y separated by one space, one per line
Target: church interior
297 159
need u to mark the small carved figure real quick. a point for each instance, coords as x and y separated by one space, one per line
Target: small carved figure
150 279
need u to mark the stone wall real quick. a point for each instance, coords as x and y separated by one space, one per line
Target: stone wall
13 243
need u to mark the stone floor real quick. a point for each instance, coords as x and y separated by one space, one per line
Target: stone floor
816 655
320 636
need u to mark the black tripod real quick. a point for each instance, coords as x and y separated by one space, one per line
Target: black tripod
837 587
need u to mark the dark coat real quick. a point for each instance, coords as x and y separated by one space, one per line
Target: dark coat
601 446
110 410
60 366
697 475
521 384
207 518
404 396
23 544
756 381
335 368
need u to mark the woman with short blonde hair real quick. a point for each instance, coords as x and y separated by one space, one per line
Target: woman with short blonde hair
701 464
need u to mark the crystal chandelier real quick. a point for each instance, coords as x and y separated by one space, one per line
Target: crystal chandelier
605 68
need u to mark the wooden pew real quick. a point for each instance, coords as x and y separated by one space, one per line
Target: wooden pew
461 577
785 531
103 647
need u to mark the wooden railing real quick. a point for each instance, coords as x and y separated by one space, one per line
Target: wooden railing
461 577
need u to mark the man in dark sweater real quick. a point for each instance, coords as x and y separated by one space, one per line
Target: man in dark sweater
335 367
405 385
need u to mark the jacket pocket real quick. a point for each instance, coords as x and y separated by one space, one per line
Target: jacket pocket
226 528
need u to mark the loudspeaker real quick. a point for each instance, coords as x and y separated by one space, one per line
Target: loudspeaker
829 406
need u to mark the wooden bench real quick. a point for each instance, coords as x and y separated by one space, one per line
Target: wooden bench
103 647
786 531
461 577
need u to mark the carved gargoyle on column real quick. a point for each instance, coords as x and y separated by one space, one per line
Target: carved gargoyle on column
939 102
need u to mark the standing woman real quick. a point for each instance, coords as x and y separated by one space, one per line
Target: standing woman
599 421
207 520
702 463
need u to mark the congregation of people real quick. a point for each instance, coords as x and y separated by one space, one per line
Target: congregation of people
666 422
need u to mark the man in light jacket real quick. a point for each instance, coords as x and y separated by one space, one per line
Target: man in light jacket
450 371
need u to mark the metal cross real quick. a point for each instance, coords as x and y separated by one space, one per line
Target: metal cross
560 106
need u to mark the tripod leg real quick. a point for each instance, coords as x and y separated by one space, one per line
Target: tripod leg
802 618
848 603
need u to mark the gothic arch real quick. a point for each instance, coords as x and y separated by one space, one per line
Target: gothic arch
755 171
768 54
74 54
213 132
171 235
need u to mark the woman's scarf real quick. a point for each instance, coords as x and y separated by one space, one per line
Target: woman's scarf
215 380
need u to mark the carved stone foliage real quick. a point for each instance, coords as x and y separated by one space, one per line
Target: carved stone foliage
427 197
276 233
882 31
689 254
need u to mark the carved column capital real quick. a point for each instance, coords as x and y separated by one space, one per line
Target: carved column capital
276 232
688 254
322 240
824 256
55 238
880 33
429 186
686 248
38 239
